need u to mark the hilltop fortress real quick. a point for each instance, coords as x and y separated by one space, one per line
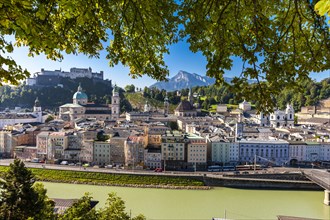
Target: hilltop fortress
52 78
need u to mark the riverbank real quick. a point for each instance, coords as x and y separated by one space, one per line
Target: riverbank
192 181
110 179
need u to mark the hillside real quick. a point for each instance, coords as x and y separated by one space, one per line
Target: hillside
52 97
137 102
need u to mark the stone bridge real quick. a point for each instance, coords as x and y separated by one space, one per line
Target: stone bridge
321 178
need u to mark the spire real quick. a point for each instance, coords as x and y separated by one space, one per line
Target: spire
79 88
115 90
36 103
190 97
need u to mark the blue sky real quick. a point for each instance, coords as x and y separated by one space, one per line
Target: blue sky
180 58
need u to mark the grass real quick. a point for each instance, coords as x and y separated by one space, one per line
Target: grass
69 176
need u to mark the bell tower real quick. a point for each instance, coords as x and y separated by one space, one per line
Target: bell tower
115 104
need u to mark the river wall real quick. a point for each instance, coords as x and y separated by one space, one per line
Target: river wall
295 181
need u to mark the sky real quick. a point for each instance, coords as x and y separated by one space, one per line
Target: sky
180 58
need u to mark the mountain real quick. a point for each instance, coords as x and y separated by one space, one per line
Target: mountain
184 80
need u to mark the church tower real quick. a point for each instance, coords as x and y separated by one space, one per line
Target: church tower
289 111
37 110
115 104
166 105
190 97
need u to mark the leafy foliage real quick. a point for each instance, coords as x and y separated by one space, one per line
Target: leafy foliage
279 42
80 210
323 8
20 198
114 209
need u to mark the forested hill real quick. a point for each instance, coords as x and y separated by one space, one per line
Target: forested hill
52 97
311 93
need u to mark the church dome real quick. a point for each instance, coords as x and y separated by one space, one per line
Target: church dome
80 94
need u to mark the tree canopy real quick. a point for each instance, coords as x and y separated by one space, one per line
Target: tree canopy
21 198
279 42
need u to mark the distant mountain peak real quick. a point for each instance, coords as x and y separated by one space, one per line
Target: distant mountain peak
184 79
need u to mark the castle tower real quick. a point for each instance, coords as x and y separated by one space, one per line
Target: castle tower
37 110
115 104
166 105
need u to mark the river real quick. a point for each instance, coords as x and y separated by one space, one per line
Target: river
165 204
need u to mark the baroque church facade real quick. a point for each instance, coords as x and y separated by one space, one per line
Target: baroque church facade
278 118
81 108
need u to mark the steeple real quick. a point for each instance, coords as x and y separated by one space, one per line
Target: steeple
36 103
166 105
79 88
115 103
37 110
190 97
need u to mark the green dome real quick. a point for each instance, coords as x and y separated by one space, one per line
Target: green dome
80 95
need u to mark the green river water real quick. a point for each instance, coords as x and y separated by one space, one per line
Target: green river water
165 204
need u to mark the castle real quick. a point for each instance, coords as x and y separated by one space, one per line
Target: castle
52 78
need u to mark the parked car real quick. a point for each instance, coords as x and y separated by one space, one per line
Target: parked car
72 164
86 165
78 164
109 166
64 162
35 160
158 170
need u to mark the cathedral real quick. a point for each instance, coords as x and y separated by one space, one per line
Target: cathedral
81 108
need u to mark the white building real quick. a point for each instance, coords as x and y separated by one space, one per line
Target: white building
223 151
8 118
101 153
137 116
265 151
196 150
278 118
245 106
152 158
81 108
307 151
325 152
134 150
